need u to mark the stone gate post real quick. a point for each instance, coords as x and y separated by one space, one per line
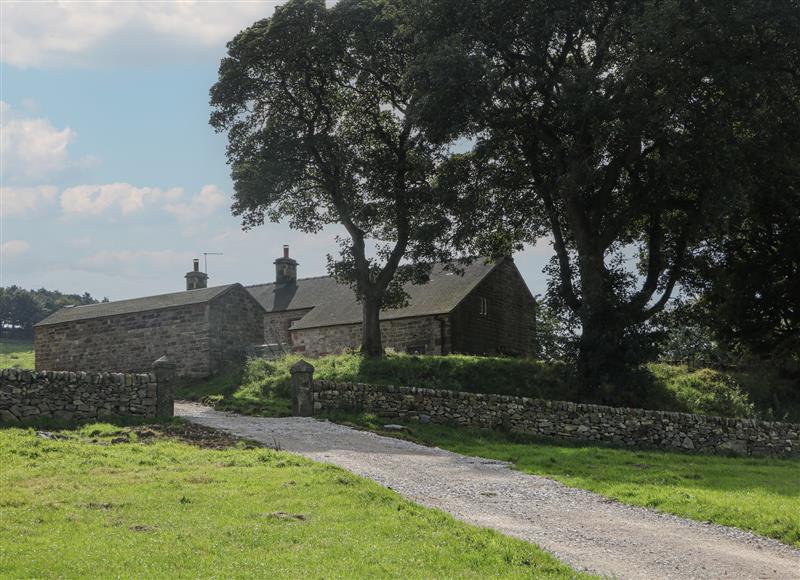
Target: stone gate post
302 389
164 370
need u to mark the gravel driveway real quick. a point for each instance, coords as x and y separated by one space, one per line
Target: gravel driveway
581 528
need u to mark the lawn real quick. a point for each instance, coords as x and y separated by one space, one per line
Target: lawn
16 353
108 501
757 494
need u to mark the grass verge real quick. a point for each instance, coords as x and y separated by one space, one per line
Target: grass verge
261 387
756 494
167 501
16 353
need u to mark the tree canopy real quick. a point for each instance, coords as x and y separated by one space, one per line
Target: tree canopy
624 131
20 309
315 102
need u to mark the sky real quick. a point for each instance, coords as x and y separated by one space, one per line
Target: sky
112 178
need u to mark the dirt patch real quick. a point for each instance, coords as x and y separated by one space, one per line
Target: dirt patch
193 434
286 516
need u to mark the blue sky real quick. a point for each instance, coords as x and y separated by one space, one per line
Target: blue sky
112 179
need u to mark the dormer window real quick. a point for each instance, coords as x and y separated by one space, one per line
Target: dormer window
484 306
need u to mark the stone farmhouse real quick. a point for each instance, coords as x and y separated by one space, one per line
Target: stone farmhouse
486 308
200 330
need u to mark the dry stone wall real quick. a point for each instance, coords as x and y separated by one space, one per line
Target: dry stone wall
564 420
30 395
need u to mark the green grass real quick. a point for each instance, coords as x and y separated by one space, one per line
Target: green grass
16 353
262 387
757 494
249 390
84 506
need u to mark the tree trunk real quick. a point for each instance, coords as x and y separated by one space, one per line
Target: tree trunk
371 344
595 354
602 357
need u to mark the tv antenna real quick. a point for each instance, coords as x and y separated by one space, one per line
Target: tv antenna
205 259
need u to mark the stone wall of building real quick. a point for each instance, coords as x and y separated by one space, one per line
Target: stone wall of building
497 317
423 334
30 395
128 343
276 325
235 323
564 420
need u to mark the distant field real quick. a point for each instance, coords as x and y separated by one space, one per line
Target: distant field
166 501
16 353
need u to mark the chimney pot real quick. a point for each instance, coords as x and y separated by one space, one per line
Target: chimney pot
285 268
196 279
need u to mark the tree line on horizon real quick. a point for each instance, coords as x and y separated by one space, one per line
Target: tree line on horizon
666 130
21 309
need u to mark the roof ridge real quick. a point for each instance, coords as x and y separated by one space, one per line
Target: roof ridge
298 280
466 261
160 295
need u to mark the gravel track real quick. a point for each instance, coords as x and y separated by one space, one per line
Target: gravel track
581 528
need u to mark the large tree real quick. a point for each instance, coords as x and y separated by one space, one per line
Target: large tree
622 130
314 101
747 279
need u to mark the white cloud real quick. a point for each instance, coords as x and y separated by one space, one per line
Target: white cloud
38 34
14 248
17 201
32 149
124 198
205 204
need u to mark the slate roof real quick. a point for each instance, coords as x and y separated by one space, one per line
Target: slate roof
158 302
335 304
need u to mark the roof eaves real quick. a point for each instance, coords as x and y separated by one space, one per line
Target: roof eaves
223 289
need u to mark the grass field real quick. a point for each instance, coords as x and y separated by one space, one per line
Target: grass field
16 353
757 494
106 501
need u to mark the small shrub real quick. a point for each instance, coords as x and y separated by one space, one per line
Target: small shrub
710 392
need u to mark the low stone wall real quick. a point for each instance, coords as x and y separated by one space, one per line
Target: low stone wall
31 395
564 420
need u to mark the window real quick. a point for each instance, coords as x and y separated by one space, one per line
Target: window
484 306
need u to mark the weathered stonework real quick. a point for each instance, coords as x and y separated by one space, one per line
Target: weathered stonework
30 395
277 324
128 342
199 338
564 420
507 322
493 314
422 335
235 323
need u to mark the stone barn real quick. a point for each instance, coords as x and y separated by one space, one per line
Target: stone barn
485 309
200 329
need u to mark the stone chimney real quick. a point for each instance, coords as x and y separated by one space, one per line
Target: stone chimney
285 268
196 279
